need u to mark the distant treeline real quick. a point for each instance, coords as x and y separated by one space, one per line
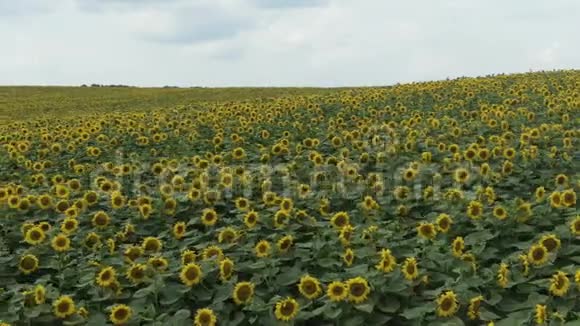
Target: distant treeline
128 86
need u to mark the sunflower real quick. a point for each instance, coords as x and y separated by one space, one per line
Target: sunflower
538 254
188 256
559 284
28 264
45 226
358 289
69 225
34 236
209 217
410 174
60 243
120 314
444 222
106 276
409 268
474 210
461 175
251 218
503 275
136 273
285 243
473 309
388 261
191 274
39 294
92 241
540 193
348 257
569 198
340 220
426 230
556 199
117 200
337 291
499 212
280 218
540 314
242 204
286 309
101 219
575 226
310 287
227 235
158 263
151 244
179 229
286 205
243 292
561 180
551 242
345 235
211 252
262 249
64 306
145 210
226 267
447 304
133 252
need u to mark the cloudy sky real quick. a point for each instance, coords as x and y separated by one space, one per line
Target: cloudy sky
280 42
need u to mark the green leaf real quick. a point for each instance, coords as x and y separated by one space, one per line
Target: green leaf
142 292
389 304
97 319
367 307
417 312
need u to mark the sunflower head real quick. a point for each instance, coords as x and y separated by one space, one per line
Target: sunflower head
209 217
106 276
286 309
426 230
409 268
28 264
310 287
444 222
60 243
137 273
285 243
64 306
243 293
551 242
226 267
447 304
388 262
213 252
348 257
120 314
251 218
575 226
337 291
262 249
179 229
538 254
205 317
358 289
559 284
34 235
190 274
39 294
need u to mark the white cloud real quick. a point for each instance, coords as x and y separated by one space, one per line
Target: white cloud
255 42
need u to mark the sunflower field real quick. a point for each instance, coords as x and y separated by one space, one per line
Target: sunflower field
436 203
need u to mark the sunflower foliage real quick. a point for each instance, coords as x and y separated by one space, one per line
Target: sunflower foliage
436 203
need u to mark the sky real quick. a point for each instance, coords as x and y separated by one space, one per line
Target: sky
281 42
